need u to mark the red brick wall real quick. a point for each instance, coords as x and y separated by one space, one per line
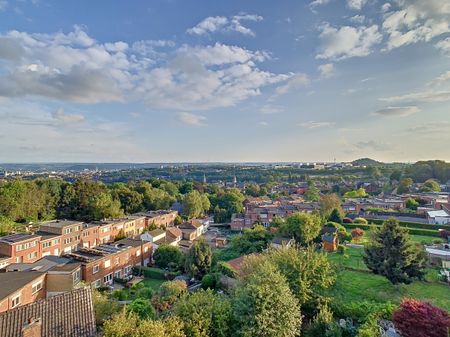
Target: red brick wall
26 295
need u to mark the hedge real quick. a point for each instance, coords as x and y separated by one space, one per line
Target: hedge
154 273
415 231
414 224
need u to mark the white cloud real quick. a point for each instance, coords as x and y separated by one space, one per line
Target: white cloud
63 118
326 70
263 123
386 7
444 45
356 5
432 128
315 3
271 109
424 96
441 79
315 125
295 82
75 67
347 41
397 111
191 119
416 21
222 24
358 19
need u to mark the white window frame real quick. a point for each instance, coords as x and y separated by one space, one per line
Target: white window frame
36 287
107 263
13 299
97 283
108 279
95 269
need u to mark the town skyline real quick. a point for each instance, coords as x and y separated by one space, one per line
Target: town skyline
167 81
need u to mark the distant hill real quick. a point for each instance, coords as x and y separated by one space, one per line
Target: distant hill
366 162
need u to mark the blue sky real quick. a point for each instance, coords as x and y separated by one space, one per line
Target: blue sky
256 80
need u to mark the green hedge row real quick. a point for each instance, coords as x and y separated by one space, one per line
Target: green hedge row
413 224
415 231
154 273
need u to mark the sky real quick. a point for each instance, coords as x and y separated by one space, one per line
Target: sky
224 81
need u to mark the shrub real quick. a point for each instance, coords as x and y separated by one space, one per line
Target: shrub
209 281
360 221
145 293
154 273
120 295
357 234
361 310
225 269
421 319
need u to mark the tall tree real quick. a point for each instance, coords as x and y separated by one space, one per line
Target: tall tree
404 186
430 185
330 202
392 254
199 259
264 305
303 227
167 255
195 204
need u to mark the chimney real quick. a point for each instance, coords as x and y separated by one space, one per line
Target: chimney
33 328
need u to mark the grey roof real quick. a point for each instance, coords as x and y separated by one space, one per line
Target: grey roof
156 232
14 238
44 264
47 236
13 281
61 223
66 315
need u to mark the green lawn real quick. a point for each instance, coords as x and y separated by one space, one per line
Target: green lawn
153 283
424 239
358 284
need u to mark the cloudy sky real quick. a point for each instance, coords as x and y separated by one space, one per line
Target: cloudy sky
202 80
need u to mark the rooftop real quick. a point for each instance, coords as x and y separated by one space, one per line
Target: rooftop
156 232
46 263
61 223
66 315
13 281
14 238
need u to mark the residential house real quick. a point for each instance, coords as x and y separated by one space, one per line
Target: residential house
69 230
440 217
20 288
50 244
21 247
330 242
100 265
160 218
66 315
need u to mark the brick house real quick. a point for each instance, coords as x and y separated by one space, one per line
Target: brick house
50 244
20 288
89 235
105 262
69 230
161 218
21 247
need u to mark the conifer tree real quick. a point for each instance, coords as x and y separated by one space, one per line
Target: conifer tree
391 254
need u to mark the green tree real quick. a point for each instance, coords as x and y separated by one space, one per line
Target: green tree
330 202
412 204
167 255
103 206
359 193
395 176
312 194
199 259
404 186
195 204
130 200
430 185
303 227
205 314
143 308
335 216
264 305
168 293
252 240
392 254
308 273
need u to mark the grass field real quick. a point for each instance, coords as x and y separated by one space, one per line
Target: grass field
424 239
358 284
153 283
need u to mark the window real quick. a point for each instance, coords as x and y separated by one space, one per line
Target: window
15 301
32 256
56 241
96 283
27 245
19 259
67 230
66 241
36 287
118 274
77 238
127 270
107 263
46 244
95 269
108 279
77 228
76 276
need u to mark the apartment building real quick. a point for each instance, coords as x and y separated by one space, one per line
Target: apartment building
161 218
69 230
100 265
21 247
50 244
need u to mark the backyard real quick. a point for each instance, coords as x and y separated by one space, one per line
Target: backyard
355 283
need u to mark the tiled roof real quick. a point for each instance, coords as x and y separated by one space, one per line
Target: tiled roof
174 231
66 315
